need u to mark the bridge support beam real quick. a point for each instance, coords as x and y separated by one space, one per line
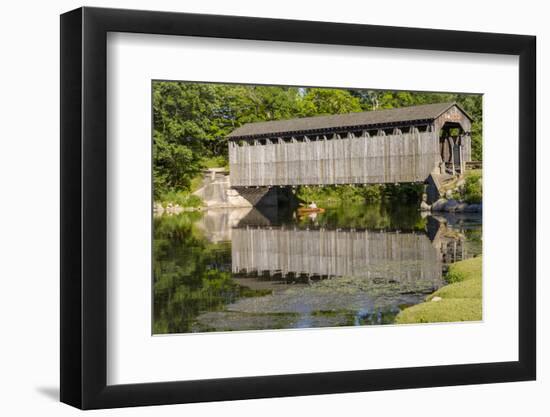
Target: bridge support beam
267 196
432 189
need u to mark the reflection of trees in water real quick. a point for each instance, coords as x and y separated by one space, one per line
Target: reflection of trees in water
190 274
405 217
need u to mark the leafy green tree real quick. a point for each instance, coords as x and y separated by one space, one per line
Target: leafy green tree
240 104
182 125
247 104
473 105
319 101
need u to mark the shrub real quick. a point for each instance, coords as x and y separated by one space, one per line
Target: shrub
473 189
331 194
372 193
454 276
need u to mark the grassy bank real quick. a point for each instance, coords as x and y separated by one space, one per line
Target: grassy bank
180 198
183 198
458 301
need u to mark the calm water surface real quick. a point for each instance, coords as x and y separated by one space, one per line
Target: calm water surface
250 269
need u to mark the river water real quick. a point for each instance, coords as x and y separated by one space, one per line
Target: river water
250 269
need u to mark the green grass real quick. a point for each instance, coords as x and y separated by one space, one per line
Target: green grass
181 198
460 300
216 162
446 310
474 172
464 270
459 290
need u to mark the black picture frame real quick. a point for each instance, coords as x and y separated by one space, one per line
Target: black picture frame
84 207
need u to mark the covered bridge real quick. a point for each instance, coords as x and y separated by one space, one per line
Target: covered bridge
407 144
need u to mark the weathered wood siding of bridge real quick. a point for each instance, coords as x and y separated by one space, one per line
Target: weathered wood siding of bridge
377 159
409 256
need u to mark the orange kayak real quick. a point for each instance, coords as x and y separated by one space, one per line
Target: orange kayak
307 210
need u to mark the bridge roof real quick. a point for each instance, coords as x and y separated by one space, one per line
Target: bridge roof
427 112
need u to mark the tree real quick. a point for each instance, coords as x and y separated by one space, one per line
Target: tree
182 127
319 101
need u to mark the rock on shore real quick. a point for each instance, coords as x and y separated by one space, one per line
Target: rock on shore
455 206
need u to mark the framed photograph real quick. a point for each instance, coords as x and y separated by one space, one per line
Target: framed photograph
256 208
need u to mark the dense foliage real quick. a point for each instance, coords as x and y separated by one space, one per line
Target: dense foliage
334 195
192 120
473 189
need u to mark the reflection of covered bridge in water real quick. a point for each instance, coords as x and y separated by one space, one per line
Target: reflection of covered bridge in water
409 144
280 251
326 253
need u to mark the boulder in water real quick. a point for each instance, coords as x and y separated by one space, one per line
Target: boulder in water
439 205
451 205
473 208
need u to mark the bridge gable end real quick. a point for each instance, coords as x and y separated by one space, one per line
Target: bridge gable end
454 115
